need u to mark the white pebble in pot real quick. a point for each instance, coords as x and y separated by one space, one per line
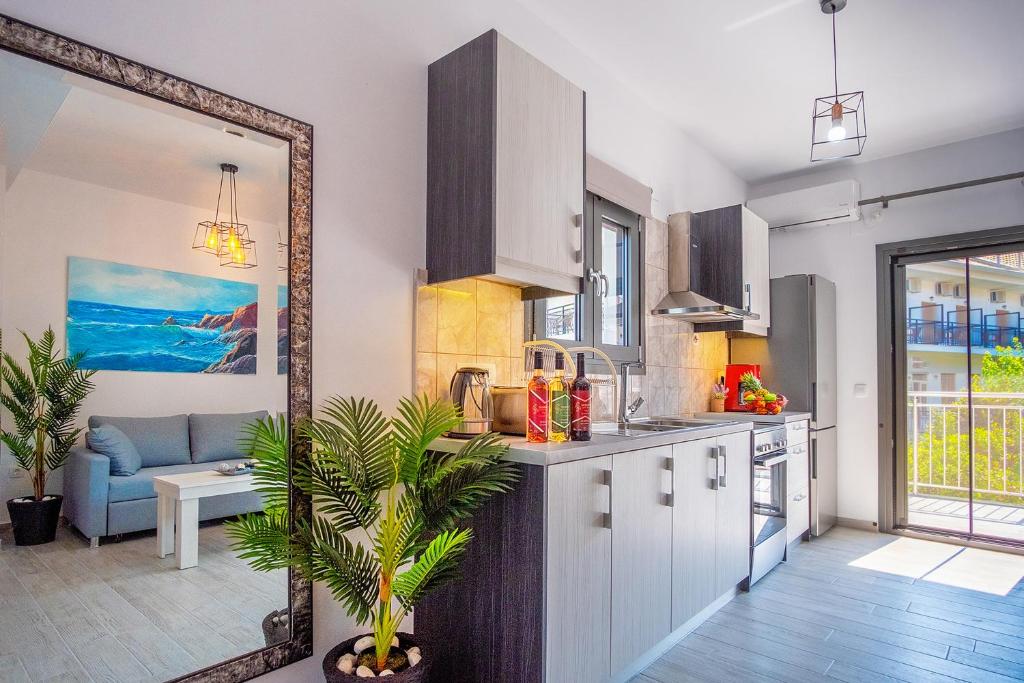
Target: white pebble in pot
394 642
414 658
362 644
347 663
386 672
412 649
365 672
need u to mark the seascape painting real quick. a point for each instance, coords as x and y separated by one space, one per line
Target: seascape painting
282 329
147 320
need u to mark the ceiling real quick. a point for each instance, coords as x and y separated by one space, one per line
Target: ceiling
740 76
79 128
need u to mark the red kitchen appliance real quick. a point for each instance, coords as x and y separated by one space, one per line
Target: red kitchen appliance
733 373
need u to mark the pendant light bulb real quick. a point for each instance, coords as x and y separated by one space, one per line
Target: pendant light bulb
837 132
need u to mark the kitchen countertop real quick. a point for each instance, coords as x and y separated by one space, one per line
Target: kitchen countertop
781 418
544 454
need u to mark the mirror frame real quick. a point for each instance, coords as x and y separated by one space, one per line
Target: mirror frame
57 50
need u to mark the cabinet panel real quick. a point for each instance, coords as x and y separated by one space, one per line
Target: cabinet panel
755 271
796 432
798 470
693 529
578 571
733 511
539 171
798 514
641 552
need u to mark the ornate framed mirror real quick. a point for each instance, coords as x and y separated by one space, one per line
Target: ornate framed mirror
162 230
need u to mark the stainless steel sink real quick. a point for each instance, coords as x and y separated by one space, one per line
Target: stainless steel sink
656 424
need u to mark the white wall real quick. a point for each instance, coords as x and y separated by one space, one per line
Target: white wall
357 72
47 218
846 254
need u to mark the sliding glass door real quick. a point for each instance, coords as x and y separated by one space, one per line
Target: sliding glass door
962 367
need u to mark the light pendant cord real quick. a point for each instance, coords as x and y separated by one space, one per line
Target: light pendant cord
835 61
220 190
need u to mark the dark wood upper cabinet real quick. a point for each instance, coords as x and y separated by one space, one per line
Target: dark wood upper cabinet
729 265
505 168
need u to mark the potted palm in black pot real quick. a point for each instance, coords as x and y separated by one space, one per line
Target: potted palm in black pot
43 401
388 524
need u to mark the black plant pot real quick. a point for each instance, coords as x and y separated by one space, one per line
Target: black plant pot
34 521
415 674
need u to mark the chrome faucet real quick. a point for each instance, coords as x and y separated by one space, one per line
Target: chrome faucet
627 412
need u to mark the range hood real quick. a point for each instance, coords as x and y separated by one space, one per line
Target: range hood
683 301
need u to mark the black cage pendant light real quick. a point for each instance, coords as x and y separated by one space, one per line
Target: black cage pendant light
229 239
838 126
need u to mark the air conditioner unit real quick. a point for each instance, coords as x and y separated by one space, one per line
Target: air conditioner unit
913 285
997 296
815 206
944 289
960 291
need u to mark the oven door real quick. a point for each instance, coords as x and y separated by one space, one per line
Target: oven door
769 493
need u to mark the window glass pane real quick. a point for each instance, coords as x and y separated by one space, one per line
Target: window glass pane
561 317
614 311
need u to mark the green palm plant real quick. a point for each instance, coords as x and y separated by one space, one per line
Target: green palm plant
370 473
43 402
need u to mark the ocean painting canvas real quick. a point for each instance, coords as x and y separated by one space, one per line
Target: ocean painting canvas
128 317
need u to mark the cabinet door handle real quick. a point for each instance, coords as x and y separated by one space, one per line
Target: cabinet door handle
724 479
607 481
748 288
670 497
577 221
715 479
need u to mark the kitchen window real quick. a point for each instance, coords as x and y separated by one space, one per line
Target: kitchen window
607 315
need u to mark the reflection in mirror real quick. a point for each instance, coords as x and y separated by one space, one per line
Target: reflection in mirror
102 195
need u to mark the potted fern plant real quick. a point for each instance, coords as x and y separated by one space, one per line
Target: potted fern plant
388 521
43 402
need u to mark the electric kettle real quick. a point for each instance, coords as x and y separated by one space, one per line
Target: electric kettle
471 393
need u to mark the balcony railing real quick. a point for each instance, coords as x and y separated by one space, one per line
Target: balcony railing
938 450
945 333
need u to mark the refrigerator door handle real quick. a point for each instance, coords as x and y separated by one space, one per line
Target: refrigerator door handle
814 457
814 402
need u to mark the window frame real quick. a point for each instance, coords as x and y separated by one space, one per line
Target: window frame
588 304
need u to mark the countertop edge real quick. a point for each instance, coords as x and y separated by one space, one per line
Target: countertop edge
784 417
602 444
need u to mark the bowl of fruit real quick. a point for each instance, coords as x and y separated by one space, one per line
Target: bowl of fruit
759 400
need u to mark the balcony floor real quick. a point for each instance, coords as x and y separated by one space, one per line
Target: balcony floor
991 519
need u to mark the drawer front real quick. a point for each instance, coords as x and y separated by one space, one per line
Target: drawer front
796 432
798 467
798 514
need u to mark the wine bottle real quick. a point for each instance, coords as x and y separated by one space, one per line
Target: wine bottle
579 403
537 402
558 402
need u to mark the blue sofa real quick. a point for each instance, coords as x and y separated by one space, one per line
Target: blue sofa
100 504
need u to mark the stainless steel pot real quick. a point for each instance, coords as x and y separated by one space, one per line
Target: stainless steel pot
471 393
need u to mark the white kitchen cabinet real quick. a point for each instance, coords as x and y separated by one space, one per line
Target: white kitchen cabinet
694 516
505 168
755 272
711 521
641 552
732 542
578 574
798 480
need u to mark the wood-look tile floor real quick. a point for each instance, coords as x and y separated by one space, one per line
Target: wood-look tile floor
119 613
858 606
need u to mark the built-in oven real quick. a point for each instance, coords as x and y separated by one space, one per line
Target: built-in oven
769 500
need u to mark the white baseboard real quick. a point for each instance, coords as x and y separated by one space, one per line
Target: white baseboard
673 638
862 524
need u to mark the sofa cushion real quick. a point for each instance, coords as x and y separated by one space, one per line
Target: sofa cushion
217 436
140 485
110 441
159 440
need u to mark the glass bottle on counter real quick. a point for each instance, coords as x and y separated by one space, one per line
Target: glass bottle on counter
537 402
558 402
579 403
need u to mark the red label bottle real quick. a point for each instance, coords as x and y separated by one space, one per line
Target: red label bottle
579 403
537 403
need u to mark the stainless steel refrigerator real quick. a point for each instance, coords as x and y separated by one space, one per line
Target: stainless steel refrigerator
798 358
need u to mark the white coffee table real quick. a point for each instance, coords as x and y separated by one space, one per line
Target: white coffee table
177 509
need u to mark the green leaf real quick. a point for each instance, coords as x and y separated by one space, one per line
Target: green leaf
420 422
437 565
264 540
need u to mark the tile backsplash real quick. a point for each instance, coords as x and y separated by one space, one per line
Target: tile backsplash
478 322
467 322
